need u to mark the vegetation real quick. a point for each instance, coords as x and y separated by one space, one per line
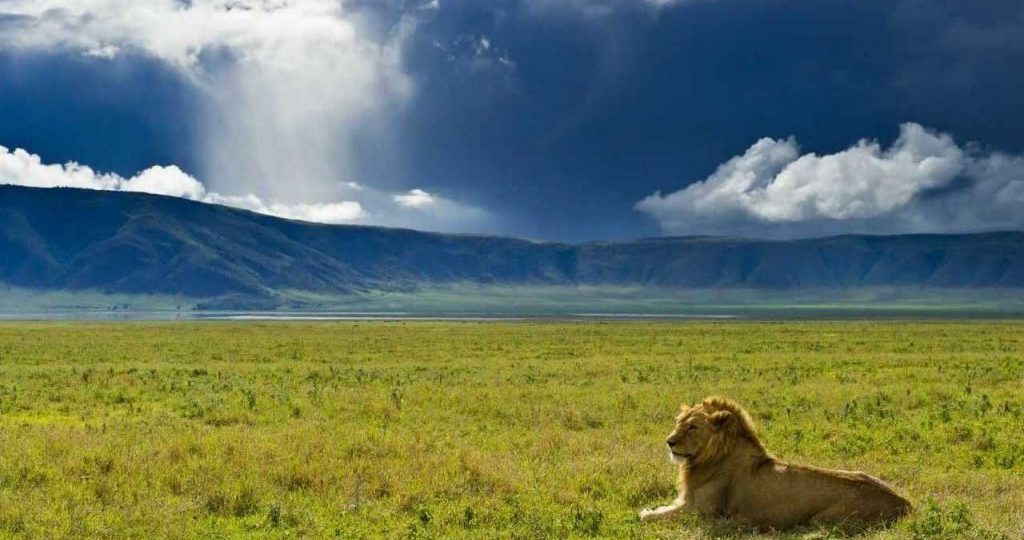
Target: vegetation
541 300
215 257
484 430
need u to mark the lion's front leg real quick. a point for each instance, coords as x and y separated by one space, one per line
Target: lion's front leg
662 512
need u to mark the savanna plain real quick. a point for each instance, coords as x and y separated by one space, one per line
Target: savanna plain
486 430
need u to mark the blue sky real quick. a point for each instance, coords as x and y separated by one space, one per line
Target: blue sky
549 119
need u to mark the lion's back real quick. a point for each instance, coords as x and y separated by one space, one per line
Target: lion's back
782 495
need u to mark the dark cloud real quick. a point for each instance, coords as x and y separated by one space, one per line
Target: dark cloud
121 115
573 111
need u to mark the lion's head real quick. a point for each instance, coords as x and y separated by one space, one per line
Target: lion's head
709 430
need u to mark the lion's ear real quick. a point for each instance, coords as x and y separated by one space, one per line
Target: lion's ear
720 419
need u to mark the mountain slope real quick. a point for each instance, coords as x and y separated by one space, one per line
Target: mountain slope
136 243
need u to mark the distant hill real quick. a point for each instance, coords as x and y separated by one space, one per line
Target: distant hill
113 242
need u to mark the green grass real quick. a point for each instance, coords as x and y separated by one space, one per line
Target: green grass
490 430
545 300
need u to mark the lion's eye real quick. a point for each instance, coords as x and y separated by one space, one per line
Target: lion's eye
691 427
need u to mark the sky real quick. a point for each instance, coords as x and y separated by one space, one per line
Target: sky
568 120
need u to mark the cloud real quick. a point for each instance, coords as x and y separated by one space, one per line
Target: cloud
21 168
594 9
287 84
923 183
477 53
420 209
170 181
415 208
415 198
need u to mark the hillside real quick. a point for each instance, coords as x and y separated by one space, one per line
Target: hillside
112 242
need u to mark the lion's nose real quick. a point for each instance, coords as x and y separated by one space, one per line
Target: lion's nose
670 442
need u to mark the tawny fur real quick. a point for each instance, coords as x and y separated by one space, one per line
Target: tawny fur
724 470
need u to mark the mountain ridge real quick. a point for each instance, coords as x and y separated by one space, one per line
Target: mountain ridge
118 242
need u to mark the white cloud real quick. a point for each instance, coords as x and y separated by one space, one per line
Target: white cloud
415 208
107 51
415 198
924 182
24 169
420 209
333 212
165 181
339 212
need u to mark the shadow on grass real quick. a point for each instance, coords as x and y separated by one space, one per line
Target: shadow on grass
951 520
731 529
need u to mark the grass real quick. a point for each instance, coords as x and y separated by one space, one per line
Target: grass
485 430
541 300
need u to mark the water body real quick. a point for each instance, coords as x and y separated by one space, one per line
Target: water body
124 315
717 314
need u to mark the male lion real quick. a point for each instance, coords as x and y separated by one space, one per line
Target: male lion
725 471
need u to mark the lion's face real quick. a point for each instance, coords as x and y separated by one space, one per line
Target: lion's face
695 434
689 436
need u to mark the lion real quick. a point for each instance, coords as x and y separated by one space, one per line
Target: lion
724 470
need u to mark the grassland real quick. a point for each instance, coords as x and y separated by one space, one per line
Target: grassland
484 430
541 300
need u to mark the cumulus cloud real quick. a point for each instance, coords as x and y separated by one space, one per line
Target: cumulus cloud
170 181
368 206
415 198
923 182
21 168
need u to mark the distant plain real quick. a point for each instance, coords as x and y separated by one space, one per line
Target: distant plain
473 300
